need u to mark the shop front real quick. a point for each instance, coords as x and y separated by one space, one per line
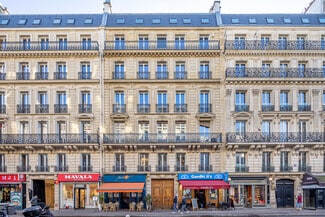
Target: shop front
314 191
12 189
123 189
250 192
78 191
208 189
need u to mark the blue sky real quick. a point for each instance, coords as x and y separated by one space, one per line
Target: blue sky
153 6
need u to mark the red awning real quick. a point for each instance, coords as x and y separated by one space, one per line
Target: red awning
204 184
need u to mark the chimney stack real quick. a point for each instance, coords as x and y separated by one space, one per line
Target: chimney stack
215 7
107 6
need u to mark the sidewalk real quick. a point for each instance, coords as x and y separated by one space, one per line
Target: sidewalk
198 213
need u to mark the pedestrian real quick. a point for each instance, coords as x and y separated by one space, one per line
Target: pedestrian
299 202
232 205
184 205
175 201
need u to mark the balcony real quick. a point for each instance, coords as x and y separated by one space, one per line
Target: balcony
143 108
285 168
60 75
242 169
241 108
180 108
162 108
205 108
85 168
180 75
144 168
85 108
119 108
84 75
61 168
119 168
3 169
273 45
205 75
233 72
60 108
304 108
41 75
42 169
118 75
23 169
50 45
323 108
23 109
304 168
267 108
267 168
136 138
143 75
162 168
42 108
285 108
3 109
161 75
2 76
183 168
167 45
205 168
22 76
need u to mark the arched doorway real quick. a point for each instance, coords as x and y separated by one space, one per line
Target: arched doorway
284 193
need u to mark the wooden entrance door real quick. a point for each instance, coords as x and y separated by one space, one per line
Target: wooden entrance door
162 193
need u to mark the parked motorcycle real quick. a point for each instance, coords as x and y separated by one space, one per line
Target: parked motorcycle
39 210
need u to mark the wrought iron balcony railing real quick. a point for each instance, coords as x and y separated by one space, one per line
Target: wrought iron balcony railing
285 168
304 168
50 46
3 109
242 169
3 169
143 108
233 72
118 75
116 168
42 169
23 109
85 168
60 75
135 138
60 108
41 75
61 168
241 108
84 75
183 168
162 75
162 108
2 76
267 168
274 137
48 138
144 168
207 168
42 108
143 75
285 108
180 75
323 107
165 45
273 45
205 108
304 108
23 169
162 168
22 76
267 108
180 108
119 108
85 108
205 75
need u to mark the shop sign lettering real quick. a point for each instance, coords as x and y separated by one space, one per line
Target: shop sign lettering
78 177
13 178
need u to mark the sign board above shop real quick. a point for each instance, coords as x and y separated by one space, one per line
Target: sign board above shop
82 177
6 178
203 176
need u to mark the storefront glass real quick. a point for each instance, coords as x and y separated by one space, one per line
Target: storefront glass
259 195
309 198
249 195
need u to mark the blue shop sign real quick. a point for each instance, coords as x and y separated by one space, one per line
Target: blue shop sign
124 178
203 176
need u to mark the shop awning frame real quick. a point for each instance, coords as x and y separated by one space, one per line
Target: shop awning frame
116 187
204 184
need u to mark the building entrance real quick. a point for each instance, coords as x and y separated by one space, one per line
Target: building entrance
284 193
162 194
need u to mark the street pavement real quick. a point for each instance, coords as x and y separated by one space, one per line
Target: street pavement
256 212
